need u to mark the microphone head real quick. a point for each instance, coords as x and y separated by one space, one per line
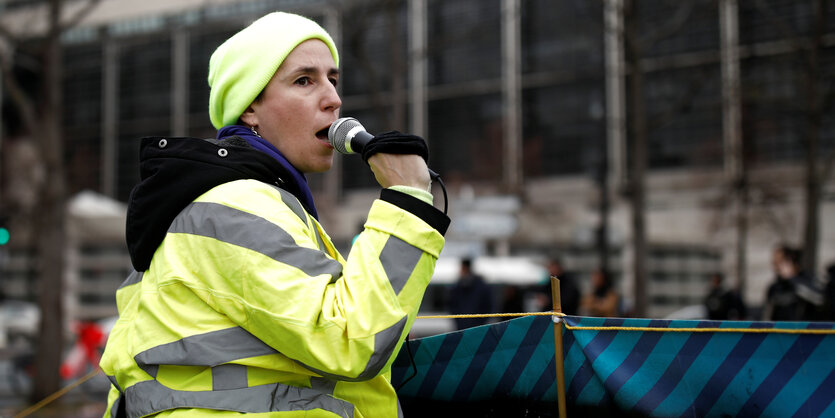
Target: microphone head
342 132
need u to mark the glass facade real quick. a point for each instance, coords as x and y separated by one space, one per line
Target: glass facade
143 77
563 96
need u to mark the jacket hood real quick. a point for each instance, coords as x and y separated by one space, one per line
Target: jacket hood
175 171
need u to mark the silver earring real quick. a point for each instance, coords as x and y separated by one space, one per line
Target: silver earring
252 128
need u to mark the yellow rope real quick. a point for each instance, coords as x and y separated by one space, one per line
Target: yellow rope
742 330
650 329
491 315
43 402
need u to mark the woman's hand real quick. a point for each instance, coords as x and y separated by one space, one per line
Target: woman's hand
400 170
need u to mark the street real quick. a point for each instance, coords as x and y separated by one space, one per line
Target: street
84 401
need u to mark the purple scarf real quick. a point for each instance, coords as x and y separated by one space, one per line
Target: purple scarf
262 145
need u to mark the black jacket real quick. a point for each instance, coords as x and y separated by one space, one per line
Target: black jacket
175 171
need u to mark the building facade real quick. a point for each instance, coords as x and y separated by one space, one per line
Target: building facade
521 101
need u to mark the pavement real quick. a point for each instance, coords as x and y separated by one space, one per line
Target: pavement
84 401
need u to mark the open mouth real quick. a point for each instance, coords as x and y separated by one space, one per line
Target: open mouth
322 134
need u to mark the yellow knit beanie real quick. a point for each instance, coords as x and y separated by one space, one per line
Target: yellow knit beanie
241 67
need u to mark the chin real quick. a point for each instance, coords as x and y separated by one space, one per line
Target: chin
320 166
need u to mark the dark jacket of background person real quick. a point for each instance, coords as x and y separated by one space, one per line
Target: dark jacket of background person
723 304
829 294
569 290
470 295
794 295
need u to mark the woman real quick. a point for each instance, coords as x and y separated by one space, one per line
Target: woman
603 300
240 302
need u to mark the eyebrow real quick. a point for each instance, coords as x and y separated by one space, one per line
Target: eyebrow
313 70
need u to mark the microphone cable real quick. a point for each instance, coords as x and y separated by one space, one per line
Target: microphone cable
437 177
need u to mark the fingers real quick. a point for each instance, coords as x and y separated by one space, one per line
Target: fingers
400 170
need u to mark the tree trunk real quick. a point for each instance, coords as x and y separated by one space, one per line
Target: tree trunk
50 225
638 158
814 114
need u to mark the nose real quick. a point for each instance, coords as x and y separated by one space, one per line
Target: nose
331 100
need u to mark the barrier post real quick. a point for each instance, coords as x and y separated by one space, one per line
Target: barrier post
558 350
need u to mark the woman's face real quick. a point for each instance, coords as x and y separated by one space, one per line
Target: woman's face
298 106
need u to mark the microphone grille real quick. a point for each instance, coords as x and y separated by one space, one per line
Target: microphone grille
339 131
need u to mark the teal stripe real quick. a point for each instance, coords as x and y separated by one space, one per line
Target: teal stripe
573 360
803 384
830 411
540 359
461 359
424 355
615 353
592 392
752 374
503 354
654 365
699 373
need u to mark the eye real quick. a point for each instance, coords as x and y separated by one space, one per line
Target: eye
334 81
303 81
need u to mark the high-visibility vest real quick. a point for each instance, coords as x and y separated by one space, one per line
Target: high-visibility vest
248 307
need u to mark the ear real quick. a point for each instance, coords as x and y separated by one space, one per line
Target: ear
249 117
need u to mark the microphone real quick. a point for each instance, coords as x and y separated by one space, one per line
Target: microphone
348 136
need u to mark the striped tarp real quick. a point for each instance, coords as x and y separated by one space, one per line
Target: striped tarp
643 366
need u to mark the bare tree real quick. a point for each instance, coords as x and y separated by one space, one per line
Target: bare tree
816 87
636 43
41 116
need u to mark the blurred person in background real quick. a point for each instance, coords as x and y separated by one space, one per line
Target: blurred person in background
794 295
603 301
723 304
569 291
240 302
829 293
470 295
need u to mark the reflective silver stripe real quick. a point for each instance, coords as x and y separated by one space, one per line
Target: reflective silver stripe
809 293
114 382
229 376
399 259
133 278
246 230
322 385
149 397
321 241
208 350
384 343
293 203
114 407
